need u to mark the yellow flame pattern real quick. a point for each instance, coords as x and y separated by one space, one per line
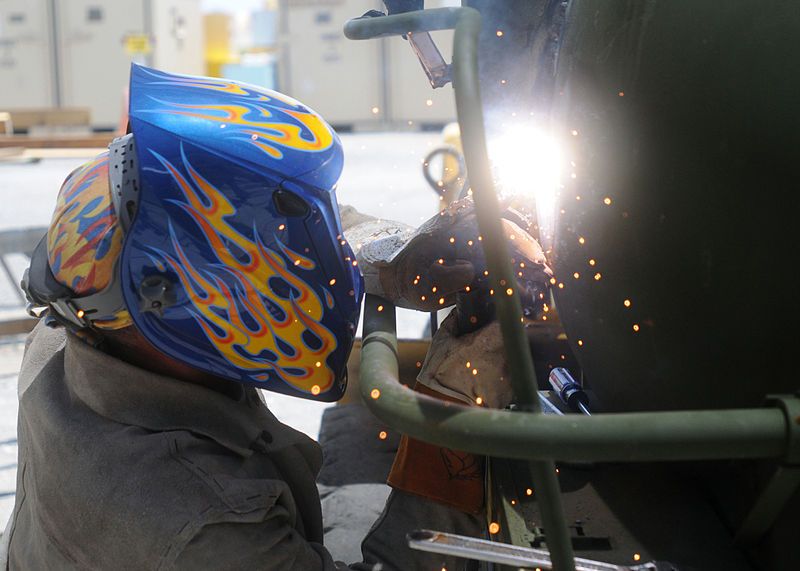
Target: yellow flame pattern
237 321
265 132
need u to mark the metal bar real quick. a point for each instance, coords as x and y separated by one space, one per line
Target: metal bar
769 504
502 553
13 281
466 83
624 437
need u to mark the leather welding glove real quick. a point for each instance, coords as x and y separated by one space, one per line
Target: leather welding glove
423 269
419 269
469 369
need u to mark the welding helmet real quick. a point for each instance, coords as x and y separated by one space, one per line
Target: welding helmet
213 228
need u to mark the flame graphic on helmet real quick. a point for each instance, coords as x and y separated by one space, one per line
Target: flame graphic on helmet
255 116
253 327
83 242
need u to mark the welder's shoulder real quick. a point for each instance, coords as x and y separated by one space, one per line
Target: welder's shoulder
41 346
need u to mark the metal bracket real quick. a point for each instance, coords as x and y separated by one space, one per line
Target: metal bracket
783 483
790 405
505 554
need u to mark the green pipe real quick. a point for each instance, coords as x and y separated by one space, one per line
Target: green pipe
467 24
624 437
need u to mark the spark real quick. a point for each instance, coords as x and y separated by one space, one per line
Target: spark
380 308
429 102
636 327
626 303
376 110
499 33
580 342
636 557
581 240
494 527
315 390
452 240
382 435
282 227
576 275
607 201
479 401
375 394
332 282
529 492
474 372
509 291
597 276
592 262
469 364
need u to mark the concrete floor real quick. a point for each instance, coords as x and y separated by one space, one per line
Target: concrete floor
382 177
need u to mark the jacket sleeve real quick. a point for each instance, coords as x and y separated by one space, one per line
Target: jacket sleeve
272 544
231 542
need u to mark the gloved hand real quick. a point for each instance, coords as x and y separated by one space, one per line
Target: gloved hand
424 269
469 369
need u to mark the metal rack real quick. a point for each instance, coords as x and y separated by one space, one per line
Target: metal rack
769 432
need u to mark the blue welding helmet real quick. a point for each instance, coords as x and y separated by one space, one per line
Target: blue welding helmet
233 259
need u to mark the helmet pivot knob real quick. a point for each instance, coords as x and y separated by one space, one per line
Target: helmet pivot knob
156 293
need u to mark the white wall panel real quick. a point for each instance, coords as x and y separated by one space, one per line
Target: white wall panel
26 73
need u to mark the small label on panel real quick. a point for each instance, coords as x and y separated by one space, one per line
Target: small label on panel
137 44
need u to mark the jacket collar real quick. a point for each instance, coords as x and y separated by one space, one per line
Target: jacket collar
129 395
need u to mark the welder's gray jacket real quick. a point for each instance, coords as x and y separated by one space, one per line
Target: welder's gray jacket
120 468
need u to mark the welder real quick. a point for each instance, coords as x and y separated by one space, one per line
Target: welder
202 257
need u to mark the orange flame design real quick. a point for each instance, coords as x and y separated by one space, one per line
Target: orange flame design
265 133
237 319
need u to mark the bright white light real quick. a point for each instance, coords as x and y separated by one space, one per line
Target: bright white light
526 164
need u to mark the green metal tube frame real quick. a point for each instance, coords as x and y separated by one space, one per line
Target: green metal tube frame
628 437
467 25
621 437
